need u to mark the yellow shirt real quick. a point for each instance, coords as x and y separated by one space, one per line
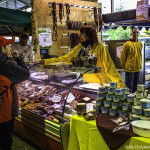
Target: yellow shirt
131 56
108 71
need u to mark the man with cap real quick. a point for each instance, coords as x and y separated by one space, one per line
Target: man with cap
23 48
11 73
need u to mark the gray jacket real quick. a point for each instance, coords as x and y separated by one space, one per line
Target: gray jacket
17 72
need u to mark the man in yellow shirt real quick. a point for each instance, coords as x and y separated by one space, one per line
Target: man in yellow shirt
108 73
131 60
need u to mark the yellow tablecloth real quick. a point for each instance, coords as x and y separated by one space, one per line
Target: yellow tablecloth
84 135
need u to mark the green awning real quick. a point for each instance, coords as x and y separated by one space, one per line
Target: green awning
13 21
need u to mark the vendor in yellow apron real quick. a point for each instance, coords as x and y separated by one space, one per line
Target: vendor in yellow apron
108 73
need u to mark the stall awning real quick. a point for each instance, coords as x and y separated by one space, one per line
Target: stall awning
13 21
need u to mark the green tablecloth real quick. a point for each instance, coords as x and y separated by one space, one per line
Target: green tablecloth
84 135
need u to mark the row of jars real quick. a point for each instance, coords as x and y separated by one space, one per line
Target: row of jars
114 101
141 107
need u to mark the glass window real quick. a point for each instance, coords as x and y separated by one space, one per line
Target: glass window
106 6
119 5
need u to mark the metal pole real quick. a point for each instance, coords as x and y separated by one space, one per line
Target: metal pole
112 6
15 4
6 3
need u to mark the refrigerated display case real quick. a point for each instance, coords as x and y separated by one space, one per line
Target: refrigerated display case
41 104
146 61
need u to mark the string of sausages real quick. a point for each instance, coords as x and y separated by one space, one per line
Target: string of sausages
71 24
100 19
67 21
78 95
61 12
67 13
53 13
95 16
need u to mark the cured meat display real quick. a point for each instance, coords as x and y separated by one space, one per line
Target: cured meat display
48 101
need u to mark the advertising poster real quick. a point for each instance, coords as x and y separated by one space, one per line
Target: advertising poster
119 47
142 10
45 39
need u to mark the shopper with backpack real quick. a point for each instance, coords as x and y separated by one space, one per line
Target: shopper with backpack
11 73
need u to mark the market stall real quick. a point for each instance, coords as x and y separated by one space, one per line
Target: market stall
45 100
42 101
37 119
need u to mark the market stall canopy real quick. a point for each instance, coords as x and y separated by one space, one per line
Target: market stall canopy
14 21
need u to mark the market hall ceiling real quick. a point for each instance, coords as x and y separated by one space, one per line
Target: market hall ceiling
15 4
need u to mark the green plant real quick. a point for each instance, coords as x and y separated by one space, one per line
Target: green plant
147 32
119 33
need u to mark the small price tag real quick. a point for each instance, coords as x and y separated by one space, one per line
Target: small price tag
70 98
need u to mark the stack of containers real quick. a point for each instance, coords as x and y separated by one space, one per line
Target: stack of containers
114 101
141 107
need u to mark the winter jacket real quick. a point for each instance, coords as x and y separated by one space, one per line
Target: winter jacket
14 72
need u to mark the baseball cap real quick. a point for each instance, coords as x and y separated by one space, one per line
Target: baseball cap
4 41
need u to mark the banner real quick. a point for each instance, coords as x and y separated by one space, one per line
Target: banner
119 47
142 10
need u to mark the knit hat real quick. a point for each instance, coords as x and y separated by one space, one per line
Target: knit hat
4 41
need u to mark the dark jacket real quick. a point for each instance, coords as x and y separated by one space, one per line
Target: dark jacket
17 72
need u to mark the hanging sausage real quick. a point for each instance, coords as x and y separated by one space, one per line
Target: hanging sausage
100 18
54 35
95 16
68 21
61 12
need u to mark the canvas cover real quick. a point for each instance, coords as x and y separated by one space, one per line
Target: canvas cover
14 21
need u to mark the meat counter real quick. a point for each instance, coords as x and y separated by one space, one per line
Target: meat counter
41 104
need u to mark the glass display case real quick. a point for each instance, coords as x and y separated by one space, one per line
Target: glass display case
146 60
41 104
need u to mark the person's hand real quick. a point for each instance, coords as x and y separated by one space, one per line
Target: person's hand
42 62
15 54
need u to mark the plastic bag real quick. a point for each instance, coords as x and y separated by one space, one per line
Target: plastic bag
122 122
